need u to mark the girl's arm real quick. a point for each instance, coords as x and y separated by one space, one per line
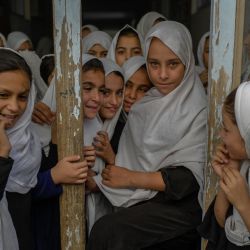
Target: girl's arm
177 182
220 208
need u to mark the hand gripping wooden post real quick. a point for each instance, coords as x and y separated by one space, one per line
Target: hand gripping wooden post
67 44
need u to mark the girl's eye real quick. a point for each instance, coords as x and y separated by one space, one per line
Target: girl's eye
153 64
120 52
3 95
86 88
102 90
137 52
23 97
119 93
173 65
143 89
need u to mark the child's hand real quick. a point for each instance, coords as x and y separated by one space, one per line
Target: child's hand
90 183
235 188
5 146
204 77
42 114
220 159
89 155
103 147
116 177
70 171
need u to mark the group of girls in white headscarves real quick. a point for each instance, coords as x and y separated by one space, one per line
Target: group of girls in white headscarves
145 135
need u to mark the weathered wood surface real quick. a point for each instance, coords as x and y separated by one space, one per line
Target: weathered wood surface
67 41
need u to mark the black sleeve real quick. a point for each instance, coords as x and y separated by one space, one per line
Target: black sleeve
5 167
180 182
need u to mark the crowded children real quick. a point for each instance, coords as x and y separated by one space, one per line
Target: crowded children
157 178
46 226
97 204
226 224
126 43
97 44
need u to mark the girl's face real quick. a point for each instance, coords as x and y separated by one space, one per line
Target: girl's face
136 87
112 96
127 46
164 67
231 137
98 51
206 53
14 92
25 46
93 88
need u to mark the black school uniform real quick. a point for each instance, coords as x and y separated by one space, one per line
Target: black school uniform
167 221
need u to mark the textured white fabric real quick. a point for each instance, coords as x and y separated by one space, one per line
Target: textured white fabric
132 65
111 52
96 37
235 228
34 62
97 204
91 27
164 131
16 38
146 22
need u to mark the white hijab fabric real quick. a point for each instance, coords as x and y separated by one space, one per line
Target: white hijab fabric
200 50
3 39
26 153
91 27
161 130
97 204
235 228
34 62
147 21
16 38
132 65
96 37
111 52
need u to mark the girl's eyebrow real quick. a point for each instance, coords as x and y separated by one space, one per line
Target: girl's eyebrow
89 83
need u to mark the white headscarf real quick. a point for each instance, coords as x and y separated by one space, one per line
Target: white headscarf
96 37
130 67
16 38
200 51
91 27
34 62
147 21
111 52
164 130
235 228
26 153
3 39
97 204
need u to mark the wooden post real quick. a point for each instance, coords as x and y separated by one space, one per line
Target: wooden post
67 41
227 21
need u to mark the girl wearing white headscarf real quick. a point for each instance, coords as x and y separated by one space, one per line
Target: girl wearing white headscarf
2 40
25 151
161 148
137 84
227 222
149 20
18 40
203 56
97 204
97 44
87 29
126 43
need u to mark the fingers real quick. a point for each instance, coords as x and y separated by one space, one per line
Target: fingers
42 114
72 158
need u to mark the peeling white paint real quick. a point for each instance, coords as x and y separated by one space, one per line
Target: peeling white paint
76 112
69 237
60 118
